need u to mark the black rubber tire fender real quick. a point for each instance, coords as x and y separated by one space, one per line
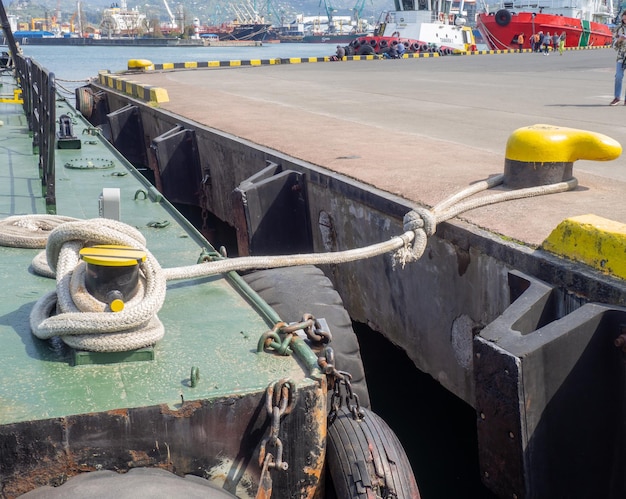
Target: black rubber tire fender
365 459
503 17
294 291
366 49
383 44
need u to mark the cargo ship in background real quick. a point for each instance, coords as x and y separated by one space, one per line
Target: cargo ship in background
334 28
586 23
340 30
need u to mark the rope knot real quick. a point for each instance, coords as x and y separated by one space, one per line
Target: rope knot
420 218
422 222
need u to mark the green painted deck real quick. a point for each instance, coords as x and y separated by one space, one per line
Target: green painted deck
208 323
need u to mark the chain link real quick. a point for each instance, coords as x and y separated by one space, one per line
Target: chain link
337 380
204 211
279 401
271 340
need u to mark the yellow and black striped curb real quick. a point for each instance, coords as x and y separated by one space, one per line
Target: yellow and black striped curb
275 62
148 93
595 241
529 51
157 95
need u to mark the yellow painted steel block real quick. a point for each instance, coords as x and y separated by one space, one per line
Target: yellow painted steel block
143 64
551 144
16 98
592 240
159 95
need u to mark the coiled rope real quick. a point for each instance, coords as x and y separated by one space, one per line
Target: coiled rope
86 323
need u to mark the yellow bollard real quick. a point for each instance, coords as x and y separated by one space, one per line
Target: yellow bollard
140 64
544 154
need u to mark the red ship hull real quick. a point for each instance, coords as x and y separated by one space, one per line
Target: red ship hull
499 29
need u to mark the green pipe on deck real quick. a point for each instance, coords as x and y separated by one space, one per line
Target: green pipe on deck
299 346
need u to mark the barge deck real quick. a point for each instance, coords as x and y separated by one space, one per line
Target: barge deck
335 155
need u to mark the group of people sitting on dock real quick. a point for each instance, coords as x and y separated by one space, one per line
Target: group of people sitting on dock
395 50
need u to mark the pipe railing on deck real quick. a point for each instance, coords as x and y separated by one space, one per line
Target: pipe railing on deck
39 94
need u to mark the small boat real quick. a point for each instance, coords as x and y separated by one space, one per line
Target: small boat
584 22
421 26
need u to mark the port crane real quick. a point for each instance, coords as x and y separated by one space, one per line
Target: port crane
169 13
329 14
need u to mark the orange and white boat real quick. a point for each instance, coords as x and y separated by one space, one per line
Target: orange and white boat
421 26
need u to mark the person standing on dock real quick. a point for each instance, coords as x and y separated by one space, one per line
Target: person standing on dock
537 39
555 41
619 44
562 43
547 39
520 42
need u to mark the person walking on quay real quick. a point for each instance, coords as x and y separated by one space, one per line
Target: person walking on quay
546 43
555 41
538 38
520 41
562 43
619 44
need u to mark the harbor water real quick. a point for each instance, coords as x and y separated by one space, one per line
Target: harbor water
437 429
83 62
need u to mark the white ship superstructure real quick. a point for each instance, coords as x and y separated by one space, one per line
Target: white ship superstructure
119 21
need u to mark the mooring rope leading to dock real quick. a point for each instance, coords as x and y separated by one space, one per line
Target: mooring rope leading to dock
419 224
86 323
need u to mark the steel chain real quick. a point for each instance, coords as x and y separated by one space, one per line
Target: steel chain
204 212
337 379
309 324
279 401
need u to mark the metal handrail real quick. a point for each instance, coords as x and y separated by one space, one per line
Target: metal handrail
39 95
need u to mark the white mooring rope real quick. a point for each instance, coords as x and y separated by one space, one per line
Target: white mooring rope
85 323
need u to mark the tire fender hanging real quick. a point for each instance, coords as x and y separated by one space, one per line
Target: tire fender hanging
503 17
365 459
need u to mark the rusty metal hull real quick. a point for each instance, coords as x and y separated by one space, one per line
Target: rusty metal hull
215 439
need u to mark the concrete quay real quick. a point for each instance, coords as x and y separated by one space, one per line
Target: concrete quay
524 337
420 129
